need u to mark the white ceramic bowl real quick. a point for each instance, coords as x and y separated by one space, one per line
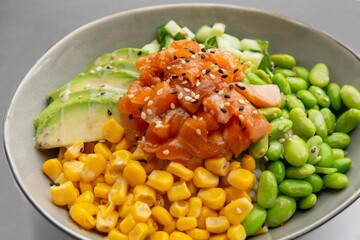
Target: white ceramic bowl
134 28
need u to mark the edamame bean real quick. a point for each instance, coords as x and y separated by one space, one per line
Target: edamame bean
307 202
302 126
267 190
295 188
314 144
283 210
338 153
293 102
278 169
335 180
279 127
297 84
307 98
263 75
319 75
254 79
318 119
285 113
259 149
320 95
333 91
254 220
342 164
283 60
280 81
350 96
274 151
285 72
301 72
300 172
315 181
348 120
338 140
296 151
325 170
330 119
270 113
326 156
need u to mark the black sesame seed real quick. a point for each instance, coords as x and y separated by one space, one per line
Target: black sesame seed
142 161
191 51
239 123
217 90
140 109
174 76
102 93
241 108
187 60
130 116
212 51
243 129
220 71
194 100
224 76
139 53
207 70
183 74
223 110
231 87
109 112
240 86
175 57
203 50
174 92
108 67
203 56
161 74
227 96
235 70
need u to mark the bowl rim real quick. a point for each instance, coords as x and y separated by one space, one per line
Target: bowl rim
162 7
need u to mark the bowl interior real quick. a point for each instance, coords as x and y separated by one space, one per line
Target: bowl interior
135 28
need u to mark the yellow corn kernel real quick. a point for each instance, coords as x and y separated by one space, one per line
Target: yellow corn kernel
236 232
139 232
94 165
52 168
119 159
179 209
98 179
139 154
195 204
212 197
125 208
162 215
180 170
85 197
153 226
241 179
112 131
170 228
134 173
122 145
194 163
115 234
90 208
127 224
159 235
179 191
198 234
82 157
61 178
74 151
237 210
104 223
234 165
85 187
63 194
222 236
186 223
203 178
218 166
61 153
82 217
160 180
248 162
102 149
262 230
160 201
118 191
218 224
192 188
234 193
140 211
101 190
145 194
72 170
179 236
110 175
205 213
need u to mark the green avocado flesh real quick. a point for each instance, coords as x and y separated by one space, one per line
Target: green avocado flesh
78 110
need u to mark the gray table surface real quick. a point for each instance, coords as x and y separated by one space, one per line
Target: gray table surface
29 28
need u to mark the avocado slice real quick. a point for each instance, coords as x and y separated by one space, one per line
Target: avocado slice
80 118
117 66
103 79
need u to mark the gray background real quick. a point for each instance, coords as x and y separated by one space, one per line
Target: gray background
29 27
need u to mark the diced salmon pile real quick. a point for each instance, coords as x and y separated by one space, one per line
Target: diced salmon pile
190 102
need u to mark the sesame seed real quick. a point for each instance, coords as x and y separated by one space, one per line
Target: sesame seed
241 87
139 53
207 70
174 92
140 109
130 116
184 82
197 96
147 98
174 76
143 115
221 92
168 67
203 50
159 122
149 111
201 119
227 96
180 95
281 140
159 92
175 57
223 109
241 108
227 104
187 90
192 94
217 90
197 83
224 76
243 129
166 152
187 59
241 117
109 112
187 98
158 125
191 51
172 105
150 103
212 76
231 86
183 61
161 74
203 56
194 100
255 112
241 101
203 71
194 117
198 131
235 70
130 96
221 71
192 56
183 74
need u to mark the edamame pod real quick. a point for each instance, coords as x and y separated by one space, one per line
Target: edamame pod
307 98
301 72
285 72
333 91
350 96
296 151
338 153
338 140
274 151
320 95
348 120
325 170
300 172
278 169
302 126
318 119
259 149
319 75
254 79
330 119
285 113
263 75
297 84
295 188
293 102
267 190
335 180
270 113
314 144
283 60
326 156
280 81
342 164
254 220
279 128
307 202
283 210
315 181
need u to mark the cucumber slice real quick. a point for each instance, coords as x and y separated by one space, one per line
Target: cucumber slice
172 28
253 57
188 33
250 44
152 47
202 34
232 40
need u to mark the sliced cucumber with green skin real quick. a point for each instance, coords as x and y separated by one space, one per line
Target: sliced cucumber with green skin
152 47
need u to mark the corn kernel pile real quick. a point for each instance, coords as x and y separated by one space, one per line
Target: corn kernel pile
114 188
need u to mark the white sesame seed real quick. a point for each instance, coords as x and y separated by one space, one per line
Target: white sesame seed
158 125
183 61
159 92
149 111
184 82
143 115
201 119
227 104
172 105
187 90
194 117
192 94
180 95
221 92
198 131
241 117
212 76
150 103
168 67
197 96
166 152
146 99
197 83
241 101
131 96
158 122
187 98
255 112
193 56
203 71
